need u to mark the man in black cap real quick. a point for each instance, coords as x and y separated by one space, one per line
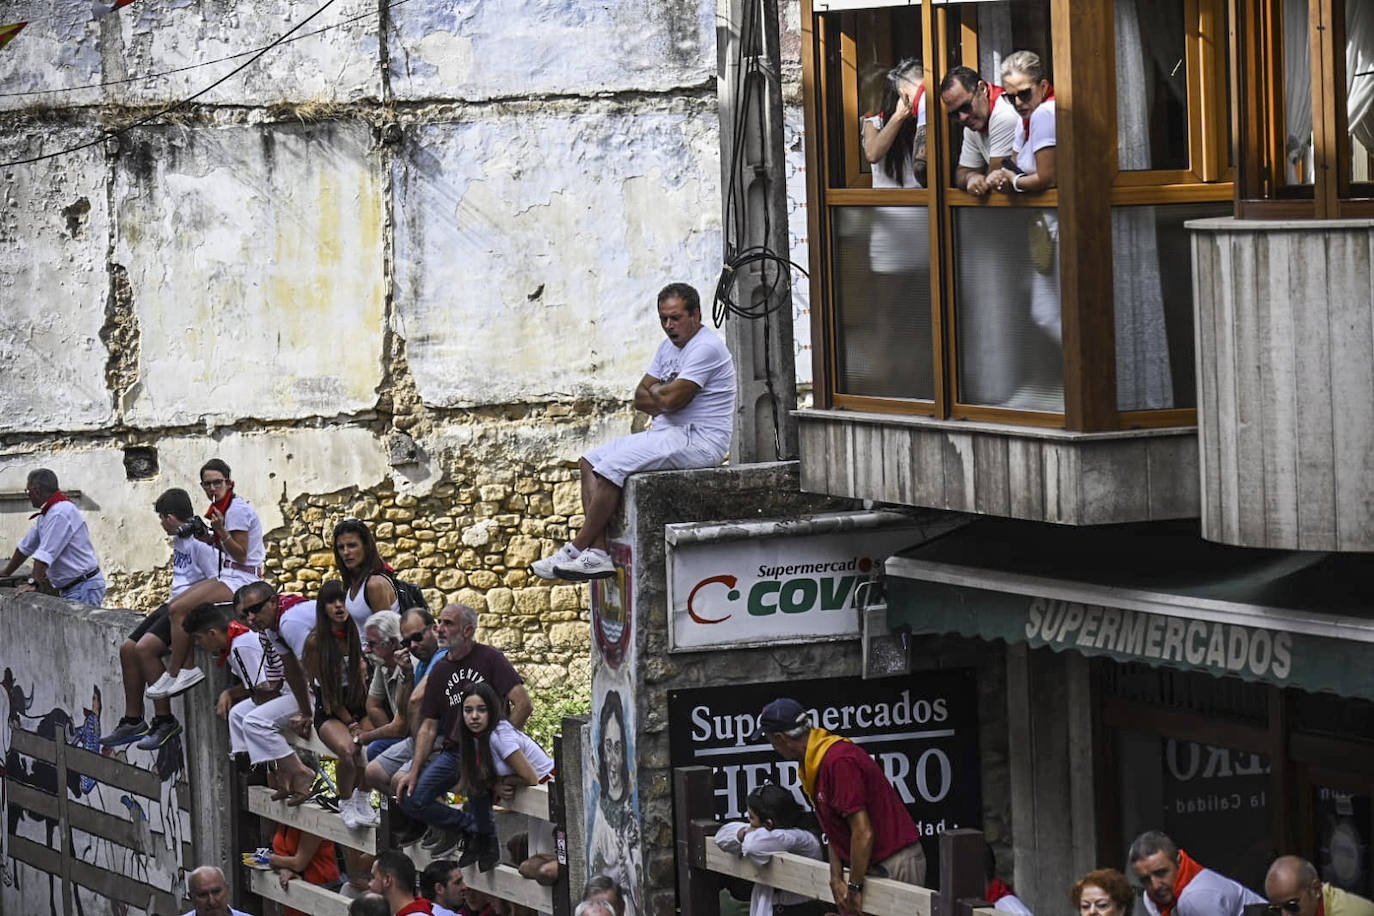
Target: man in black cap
866 824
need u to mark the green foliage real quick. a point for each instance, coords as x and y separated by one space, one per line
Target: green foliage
551 704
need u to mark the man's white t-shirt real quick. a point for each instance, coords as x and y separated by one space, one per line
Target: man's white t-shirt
294 626
981 148
1040 136
506 739
241 517
192 561
706 361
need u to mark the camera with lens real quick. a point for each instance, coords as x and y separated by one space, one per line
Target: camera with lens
195 527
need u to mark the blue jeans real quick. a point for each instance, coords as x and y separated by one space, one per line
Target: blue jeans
91 592
375 748
439 776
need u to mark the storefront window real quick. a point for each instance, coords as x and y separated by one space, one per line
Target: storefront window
1343 837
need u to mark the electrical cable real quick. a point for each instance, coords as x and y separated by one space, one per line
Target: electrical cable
205 63
138 122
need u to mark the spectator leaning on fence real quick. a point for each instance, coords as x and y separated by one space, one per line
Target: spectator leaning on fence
1176 885
59 543
866 825
772 827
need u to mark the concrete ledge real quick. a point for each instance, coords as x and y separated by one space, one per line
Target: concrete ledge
1046 475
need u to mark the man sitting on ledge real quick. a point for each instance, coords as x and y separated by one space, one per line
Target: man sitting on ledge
690 393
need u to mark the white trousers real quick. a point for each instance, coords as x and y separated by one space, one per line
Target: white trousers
238 743
262 729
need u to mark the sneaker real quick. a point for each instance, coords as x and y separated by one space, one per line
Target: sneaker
188 678
160 733
545 568
362 805
451 839
404 836
471 848
158 689
125 732
590 564
432 838
349 815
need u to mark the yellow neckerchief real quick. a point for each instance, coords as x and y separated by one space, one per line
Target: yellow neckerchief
817 743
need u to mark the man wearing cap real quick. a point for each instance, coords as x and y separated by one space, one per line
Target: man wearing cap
866 824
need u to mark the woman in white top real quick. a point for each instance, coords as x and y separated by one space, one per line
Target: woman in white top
772 827
368 588
895 138
1024 82
495 757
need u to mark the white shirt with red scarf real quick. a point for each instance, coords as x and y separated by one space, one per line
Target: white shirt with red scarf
996 141
59 538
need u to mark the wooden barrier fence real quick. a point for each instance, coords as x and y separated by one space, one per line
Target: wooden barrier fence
701 864
255 806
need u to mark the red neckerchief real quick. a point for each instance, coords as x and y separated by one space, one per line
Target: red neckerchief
997 889
223 506
1049 96
235 630
994 93
1321 905
1187 871
58 497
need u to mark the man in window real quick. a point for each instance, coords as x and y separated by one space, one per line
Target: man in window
689 391
989 121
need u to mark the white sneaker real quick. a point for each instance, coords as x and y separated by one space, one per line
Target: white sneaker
590 564
188 678
349 815
158 689
545 568
362 804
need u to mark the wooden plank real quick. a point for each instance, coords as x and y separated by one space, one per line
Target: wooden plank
991 482
1208 283
81 817
897 472
1026 478
107 770
505 882
531 800
1315 423
102 881
811 878
813 38
1352 372
300 894
310 742
957 466
1247 483
868 462
311 819
811 440
1270 289
928 467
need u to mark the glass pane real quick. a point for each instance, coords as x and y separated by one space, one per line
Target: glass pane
1152 281
1214 800
1006 302
1343 835
1151 85
1359 78
1001 27
882 301
1297 94
886 70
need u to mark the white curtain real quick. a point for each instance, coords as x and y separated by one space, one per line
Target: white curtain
1297 91
1359 62
1143 380
994 39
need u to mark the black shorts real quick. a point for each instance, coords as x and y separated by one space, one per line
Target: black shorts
320 718
159 623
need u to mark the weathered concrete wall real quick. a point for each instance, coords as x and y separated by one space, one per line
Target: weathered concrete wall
392 267
60 683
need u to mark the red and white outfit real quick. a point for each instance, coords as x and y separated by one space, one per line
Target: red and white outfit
239 516
1200 891
59 537
997 139
252 665
262 726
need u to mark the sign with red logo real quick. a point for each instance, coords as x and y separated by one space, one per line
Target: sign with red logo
768 582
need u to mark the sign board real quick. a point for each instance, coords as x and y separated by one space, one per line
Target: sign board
770 582
922 729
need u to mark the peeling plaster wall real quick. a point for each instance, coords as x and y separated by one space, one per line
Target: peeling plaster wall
404 259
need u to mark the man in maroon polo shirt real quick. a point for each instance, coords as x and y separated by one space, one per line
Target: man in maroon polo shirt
865 823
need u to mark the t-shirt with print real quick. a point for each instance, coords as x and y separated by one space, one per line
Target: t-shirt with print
241 517
706 361
850 780
506 739
192 561
447 679
980 147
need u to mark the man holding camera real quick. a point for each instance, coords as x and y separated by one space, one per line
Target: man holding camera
140 657
59 544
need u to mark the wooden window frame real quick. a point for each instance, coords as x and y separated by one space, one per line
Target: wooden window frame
1083 48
